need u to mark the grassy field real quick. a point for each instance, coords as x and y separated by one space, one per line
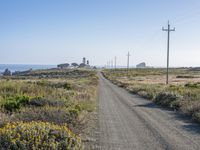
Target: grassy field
53 103
182 94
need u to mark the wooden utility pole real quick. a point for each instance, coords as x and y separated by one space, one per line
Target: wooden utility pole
128 55
115 62
168 39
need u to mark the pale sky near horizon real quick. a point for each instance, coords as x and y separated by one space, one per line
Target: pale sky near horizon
58 31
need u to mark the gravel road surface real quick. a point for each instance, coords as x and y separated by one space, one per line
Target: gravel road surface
127 121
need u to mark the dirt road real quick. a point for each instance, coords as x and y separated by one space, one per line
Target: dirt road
127 121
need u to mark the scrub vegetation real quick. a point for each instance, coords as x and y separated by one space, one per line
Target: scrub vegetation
182 94
50 105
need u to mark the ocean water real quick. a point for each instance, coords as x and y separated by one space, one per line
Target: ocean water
23 67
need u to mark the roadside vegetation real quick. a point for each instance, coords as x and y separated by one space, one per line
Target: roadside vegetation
182 94
46 108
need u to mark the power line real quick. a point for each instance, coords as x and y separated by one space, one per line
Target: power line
187 17
168 38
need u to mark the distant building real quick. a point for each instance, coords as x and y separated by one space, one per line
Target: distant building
88 62
141 65
63 66
82 65
74 65
84 60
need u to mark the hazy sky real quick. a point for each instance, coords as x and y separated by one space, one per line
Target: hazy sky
57 31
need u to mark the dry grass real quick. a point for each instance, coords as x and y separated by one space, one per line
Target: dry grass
183 92
55 96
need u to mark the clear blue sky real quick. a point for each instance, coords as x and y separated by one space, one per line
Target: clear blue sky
57 31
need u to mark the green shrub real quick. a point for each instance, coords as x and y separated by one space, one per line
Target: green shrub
78 107
196 116
185 76
192 85
15 103
190 107
74 113
145 94
177 104
42 82
167 99
67 86
11 105
38 135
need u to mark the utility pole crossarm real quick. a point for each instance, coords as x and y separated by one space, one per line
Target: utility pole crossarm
168 30
164 29
173 29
